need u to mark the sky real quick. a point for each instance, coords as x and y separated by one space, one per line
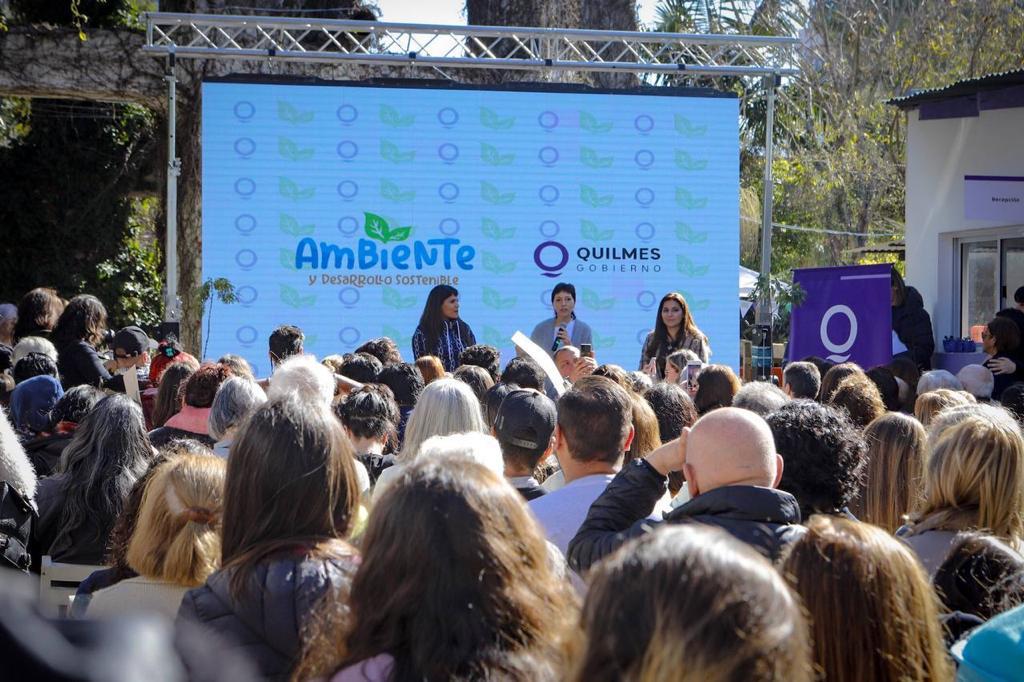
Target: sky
452 11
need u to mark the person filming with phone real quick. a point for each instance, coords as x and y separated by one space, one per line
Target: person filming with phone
563 329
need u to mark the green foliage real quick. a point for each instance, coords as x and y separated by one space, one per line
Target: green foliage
69 219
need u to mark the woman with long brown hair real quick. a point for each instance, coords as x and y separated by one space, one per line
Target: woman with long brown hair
290 499
974 480
674 329
896 452
717 385
873 614
690 603
456 582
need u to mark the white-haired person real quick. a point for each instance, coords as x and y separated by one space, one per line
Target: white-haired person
760 397
302 376
235 400
977 380
934 379
445 406
478 447
176 543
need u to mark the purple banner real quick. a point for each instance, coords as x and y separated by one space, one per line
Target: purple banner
846 315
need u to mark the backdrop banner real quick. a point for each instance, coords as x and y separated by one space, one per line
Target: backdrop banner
847 315
337 207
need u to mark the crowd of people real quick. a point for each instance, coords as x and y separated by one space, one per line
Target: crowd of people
360 517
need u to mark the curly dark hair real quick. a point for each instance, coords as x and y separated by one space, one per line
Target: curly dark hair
824 454
484 356
369 412
673 408
404 380
524 372
34 365
383 348
201 387
362 367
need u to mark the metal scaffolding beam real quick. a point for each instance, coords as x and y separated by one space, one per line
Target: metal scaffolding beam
481 47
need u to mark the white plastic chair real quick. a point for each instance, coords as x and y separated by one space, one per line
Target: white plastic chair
57 582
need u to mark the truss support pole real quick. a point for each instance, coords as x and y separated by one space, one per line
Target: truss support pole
172 310
764 308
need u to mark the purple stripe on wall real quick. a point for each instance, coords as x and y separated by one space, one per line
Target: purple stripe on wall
995 178
958 107
1007 98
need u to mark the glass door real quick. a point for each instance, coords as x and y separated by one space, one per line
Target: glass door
979 278
1012 271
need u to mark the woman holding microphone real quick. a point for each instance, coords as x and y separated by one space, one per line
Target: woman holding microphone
563 329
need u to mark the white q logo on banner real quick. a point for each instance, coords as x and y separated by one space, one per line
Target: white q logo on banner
836 349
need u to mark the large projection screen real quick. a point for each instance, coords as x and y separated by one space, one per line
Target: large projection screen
337 207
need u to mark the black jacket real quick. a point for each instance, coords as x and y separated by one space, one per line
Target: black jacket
765 518
266 625
913 326
45 452
79 363
85 545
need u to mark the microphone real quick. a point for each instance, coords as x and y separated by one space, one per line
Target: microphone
558 340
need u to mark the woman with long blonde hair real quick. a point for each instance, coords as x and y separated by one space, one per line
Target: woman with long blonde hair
974 480
690 603
874 615
176 543
895 471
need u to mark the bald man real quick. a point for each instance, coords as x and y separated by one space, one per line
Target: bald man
731 469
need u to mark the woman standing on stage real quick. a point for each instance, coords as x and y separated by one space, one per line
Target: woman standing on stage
440 331
563 329
674 329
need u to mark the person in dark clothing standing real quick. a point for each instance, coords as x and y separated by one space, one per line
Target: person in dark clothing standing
441 332
81 328
731 470
911 323
523 426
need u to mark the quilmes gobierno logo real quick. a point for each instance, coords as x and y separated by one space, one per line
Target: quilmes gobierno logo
447 252
553 257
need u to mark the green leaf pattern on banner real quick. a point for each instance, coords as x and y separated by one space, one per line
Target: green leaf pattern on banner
687 234
293 298
686 200
687 129
389 151
293 152
494 299
590 197
603 342
290 225
490 155
590 124
394 299
390 116
396 335
289 114
701 304
393 192
375 227
686 162
590 158
591 231
595 302
493 120
688 268
494 264
494 336
289 190
493 195
491 229
287 258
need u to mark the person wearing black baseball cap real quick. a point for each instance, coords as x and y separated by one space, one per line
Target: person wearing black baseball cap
81 328
524 426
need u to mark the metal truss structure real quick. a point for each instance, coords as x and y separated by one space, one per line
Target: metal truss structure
541 50
481 47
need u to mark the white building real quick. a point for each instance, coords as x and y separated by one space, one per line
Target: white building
965 199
